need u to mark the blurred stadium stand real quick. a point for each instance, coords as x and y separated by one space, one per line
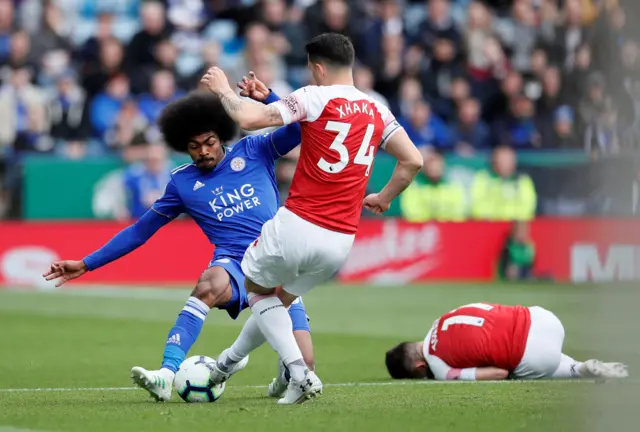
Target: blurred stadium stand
83 81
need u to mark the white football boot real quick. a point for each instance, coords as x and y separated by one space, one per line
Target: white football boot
154 382
280 383
218 375
598 369
300 392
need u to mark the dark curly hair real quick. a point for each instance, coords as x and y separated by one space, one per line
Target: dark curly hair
199 112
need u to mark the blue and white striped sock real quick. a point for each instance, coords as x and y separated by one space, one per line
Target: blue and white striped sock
184 333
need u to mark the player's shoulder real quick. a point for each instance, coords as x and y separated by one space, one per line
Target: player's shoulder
184 171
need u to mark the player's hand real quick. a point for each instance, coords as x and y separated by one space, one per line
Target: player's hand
376 204
253 88
216 81
65 271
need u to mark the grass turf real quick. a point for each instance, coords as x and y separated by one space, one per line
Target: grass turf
79 340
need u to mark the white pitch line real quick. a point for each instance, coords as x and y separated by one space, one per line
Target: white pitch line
349 384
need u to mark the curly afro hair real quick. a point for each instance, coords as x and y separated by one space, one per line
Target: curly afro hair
199 112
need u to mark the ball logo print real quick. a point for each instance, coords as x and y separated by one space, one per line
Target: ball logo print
238 164
192 381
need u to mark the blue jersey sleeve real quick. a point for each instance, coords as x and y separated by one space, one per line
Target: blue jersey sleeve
127 240
170 204
271 146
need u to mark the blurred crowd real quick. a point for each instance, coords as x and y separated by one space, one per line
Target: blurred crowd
88 78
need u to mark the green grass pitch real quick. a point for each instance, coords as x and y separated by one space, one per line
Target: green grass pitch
65 360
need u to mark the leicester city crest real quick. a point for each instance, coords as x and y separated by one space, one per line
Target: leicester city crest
238 164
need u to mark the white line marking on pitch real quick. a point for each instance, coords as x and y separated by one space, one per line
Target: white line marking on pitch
351 384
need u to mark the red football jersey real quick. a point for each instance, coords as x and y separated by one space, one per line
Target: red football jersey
342 129
480 335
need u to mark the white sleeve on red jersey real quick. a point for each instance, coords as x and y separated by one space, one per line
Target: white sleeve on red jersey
304 104
442 371
391 125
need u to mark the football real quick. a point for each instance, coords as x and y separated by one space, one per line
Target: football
192 381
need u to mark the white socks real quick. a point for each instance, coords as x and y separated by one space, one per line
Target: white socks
568 368
275 324
249 339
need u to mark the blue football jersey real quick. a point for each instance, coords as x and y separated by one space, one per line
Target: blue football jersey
232 202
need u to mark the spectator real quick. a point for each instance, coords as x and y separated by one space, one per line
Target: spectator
106 105
519 129
89 52
563 135
154 29
387 21
67 108
569 35
163 91
388 77
438 25
520 34
551 98
500 193
52 35
363 80
211 52
603 135
165 58
497 106
486 60
470 133
575 81
20 55
593 102
432 196
98 74
518 254
23 119
6 27
436 80
130 124
426 129
144 182
410 93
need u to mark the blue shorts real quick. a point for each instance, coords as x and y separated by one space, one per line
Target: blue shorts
239 301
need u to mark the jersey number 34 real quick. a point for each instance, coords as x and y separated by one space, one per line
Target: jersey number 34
363 157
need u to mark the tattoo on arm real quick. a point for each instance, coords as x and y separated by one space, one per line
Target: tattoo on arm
231 102
273 115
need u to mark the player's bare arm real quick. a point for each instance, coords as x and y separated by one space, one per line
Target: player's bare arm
65 271
409 163
247 115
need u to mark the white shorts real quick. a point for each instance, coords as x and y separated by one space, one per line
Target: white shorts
295 253
544 346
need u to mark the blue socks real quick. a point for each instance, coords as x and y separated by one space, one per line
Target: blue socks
184 333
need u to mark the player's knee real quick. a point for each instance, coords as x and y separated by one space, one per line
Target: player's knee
213 287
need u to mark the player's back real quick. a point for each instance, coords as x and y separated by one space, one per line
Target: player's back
342 129
481 334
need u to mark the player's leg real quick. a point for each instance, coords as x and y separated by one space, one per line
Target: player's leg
543 351
302 334
570 368
213 289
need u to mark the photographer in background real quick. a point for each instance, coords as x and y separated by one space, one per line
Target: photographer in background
518 255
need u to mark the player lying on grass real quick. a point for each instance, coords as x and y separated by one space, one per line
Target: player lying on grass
484 341
230 192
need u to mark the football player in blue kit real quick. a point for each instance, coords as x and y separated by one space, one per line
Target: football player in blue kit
230 191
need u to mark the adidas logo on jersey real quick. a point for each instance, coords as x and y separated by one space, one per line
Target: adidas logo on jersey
198 185
175 339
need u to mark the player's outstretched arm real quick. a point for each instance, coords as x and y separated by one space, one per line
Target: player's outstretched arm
249 116
443 372
409 163
121 244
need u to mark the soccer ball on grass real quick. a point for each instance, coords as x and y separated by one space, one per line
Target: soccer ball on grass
192 381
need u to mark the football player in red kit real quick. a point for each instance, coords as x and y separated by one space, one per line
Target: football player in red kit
482 341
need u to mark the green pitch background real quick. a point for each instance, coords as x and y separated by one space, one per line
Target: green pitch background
70 344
